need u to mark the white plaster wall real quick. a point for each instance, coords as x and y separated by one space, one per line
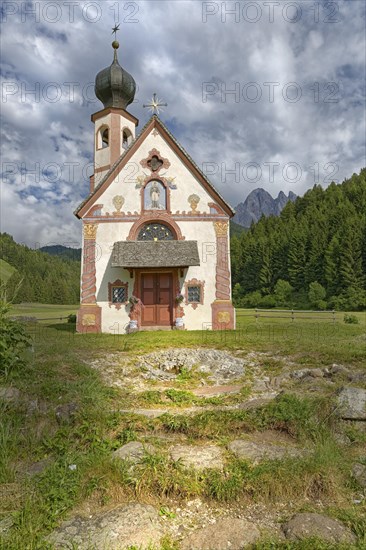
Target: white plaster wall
107 235
201 231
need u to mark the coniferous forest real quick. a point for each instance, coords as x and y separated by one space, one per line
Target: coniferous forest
39 277
312 255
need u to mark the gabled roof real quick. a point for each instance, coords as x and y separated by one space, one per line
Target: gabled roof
115 169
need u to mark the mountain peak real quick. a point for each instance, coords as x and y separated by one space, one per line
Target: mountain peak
260 203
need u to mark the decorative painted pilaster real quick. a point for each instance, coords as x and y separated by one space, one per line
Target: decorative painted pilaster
89 314
223 312
88 279
222 261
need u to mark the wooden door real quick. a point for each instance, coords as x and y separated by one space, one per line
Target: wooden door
157 297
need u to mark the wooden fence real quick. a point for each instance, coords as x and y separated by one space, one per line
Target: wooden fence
294 314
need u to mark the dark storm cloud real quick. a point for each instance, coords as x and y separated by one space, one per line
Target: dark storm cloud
253 96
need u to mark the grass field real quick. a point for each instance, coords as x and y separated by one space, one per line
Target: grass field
58 372
49 312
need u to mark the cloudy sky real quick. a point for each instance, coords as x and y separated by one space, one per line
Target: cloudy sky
261 94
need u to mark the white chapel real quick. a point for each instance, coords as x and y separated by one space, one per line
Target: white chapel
156 249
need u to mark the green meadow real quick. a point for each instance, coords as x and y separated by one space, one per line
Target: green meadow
58 371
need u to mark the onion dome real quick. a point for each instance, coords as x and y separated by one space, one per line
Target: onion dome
114 86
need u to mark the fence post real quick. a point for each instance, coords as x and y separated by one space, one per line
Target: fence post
292 315
256 315
334 318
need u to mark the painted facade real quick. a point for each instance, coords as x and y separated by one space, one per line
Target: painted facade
146 189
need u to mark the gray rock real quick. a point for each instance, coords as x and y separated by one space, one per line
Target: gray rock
127 525
300 374
66 412
199 458
38 467
359 473
342 439
316 373
233 534
338 369
249 450
256 403
6 524
358 377
307 525
9 394
352 404
134 451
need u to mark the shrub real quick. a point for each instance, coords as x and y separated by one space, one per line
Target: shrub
13 340
252 299
283 291
71 318
350 319
268 301
316 293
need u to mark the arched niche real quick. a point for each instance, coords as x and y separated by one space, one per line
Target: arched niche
155 195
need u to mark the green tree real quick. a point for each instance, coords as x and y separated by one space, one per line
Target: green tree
316 294
282 292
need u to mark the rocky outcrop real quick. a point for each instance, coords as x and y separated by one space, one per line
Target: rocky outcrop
125 526
308 525
352 404
199 458
134 452
255 452
219 365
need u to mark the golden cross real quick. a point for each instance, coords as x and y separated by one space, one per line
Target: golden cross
155 104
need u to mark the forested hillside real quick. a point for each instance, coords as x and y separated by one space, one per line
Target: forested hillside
312 255
45 278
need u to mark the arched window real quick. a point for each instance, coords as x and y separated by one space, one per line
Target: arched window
155 196
126 138
155 232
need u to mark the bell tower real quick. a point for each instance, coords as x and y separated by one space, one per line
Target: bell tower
114 127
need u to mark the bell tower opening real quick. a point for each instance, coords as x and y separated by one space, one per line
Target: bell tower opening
105 138
126 138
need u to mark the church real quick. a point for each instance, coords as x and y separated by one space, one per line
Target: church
155 251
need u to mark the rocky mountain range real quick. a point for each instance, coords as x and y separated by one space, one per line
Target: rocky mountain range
258 203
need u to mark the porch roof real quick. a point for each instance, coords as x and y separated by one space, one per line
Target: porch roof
138 254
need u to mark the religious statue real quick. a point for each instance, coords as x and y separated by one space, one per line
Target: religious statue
155 195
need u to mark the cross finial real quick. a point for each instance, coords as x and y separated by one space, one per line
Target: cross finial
115 29
155 105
